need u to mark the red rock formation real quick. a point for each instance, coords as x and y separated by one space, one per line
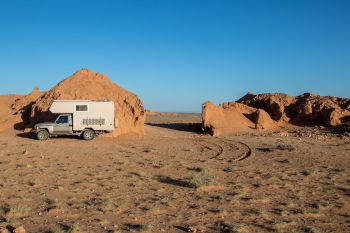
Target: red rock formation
274 104
88 85
325 110
259 110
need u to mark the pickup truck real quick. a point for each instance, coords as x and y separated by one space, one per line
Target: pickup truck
84 118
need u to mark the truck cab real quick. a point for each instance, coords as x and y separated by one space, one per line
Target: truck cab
63 124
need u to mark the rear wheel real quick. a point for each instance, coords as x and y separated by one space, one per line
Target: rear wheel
88 134
42 135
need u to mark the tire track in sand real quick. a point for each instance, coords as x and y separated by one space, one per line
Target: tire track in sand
222 148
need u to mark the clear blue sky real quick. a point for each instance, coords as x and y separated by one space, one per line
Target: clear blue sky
176 54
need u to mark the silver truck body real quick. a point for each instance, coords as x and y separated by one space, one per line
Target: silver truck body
77 117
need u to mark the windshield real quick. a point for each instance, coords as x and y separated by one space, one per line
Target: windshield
62 120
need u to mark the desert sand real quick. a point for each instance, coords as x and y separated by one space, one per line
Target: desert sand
280 171
173 180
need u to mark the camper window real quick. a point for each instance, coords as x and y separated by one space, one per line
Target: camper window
81 108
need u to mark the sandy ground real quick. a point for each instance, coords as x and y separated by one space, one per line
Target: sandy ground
177 180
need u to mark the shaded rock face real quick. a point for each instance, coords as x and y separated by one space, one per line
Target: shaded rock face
274 104
307 108
88 85
263 120
24 102
20 109
8 117
324 110
233 117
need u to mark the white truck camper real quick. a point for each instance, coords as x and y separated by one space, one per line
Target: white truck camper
85 118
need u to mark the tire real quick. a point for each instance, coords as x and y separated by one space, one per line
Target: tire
42 135
88 134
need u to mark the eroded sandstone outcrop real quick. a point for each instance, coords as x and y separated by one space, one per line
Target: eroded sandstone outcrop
233 117
308 108
89 85
268 111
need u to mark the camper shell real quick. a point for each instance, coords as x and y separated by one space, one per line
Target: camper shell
78 117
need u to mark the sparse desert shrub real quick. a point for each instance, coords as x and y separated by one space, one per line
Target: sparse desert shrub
138 227
228 169
307 230
225 227
288 147
75 228
101 204
305 172
196 169
197 180
16 211
215 210
34 183
147 150
138 174
201 179
55 204
4 162
265 149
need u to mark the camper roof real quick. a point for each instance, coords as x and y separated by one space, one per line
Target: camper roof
82 101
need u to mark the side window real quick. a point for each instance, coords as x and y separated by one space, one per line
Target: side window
62 120
81 108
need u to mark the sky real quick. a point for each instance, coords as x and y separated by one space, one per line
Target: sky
177 54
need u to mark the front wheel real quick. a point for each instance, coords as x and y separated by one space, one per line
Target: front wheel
42 135
88 134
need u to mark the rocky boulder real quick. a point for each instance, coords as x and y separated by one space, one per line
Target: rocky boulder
232 117
263 120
